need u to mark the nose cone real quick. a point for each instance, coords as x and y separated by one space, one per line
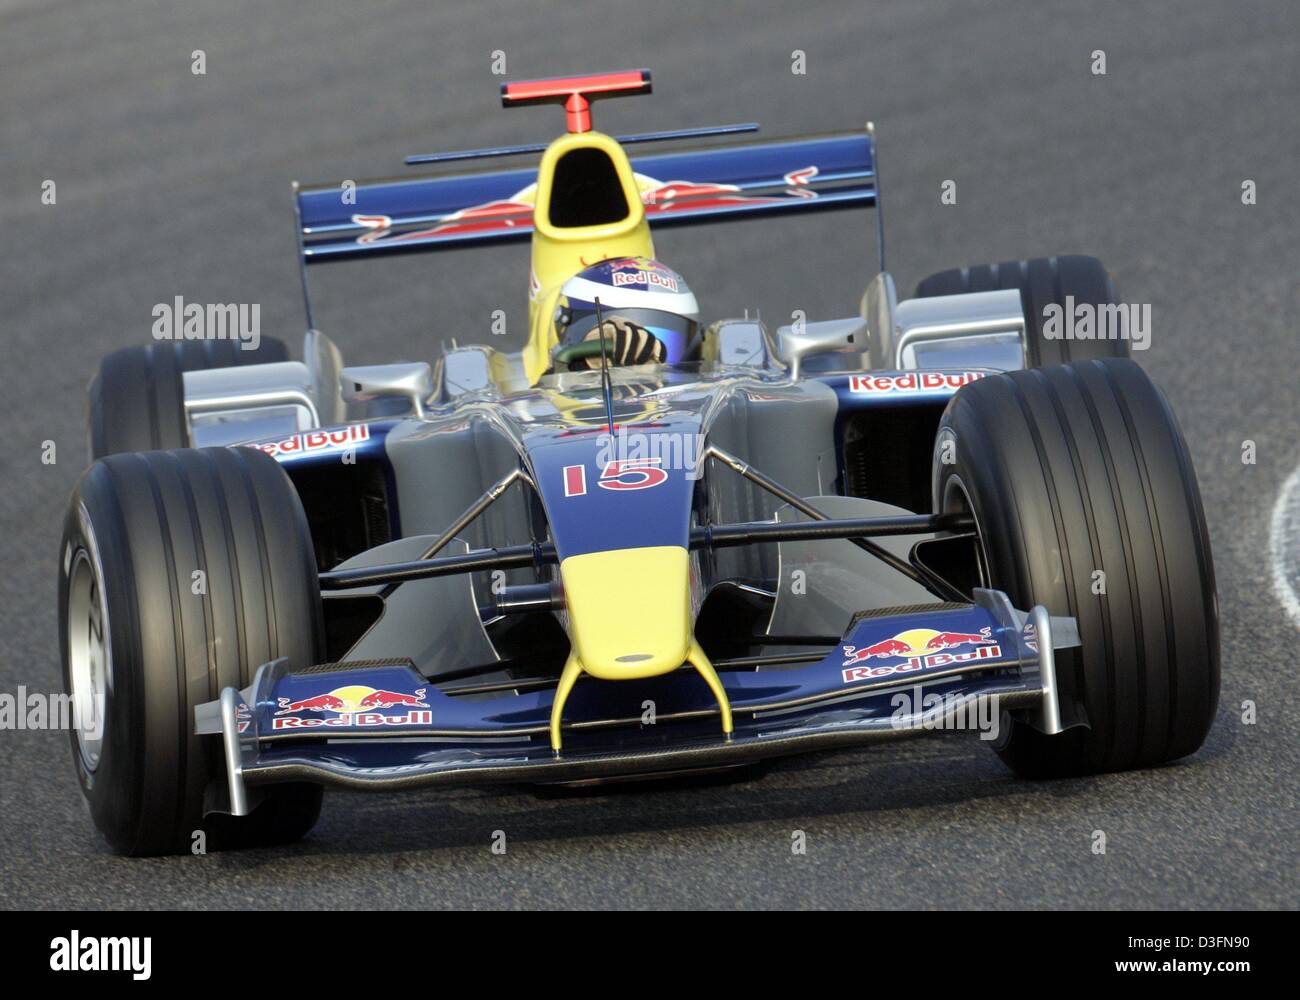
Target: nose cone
629 610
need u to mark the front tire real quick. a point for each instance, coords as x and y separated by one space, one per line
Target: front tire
181 572
1086 502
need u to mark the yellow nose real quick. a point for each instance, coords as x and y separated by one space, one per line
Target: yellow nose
630 617
629 610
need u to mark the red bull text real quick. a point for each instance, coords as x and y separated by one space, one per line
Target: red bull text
354 706
917 649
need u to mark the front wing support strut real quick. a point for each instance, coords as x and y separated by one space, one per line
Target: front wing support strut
918 574
695 656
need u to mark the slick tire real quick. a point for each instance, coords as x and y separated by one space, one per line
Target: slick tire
137 401
1042 281
181 572
1080 481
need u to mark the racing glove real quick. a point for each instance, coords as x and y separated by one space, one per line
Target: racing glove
628 344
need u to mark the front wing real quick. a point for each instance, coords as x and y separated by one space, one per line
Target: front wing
381 725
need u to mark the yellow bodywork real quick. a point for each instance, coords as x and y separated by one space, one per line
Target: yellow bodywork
629 609
560 253
629 618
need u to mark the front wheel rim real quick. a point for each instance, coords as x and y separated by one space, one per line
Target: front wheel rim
88 657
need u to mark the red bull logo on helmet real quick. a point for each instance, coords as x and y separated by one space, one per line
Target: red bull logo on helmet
645 277
639 272
917 649
354 705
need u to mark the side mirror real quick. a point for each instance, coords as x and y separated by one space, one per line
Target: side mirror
793 344
412 380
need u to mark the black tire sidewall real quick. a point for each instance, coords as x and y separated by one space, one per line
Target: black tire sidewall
112 790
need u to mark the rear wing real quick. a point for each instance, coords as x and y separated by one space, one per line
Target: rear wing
346 221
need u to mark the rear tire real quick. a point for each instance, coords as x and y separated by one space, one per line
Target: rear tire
137 401
1081 468
141 649
1041 281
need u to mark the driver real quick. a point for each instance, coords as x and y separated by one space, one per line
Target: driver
649 316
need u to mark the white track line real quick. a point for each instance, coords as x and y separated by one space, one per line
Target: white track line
1284 545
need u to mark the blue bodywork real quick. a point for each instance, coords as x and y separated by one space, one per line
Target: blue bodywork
592 522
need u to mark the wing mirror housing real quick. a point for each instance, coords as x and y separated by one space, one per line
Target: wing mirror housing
803 340
411 380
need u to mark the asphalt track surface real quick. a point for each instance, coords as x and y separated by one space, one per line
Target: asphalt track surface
173 184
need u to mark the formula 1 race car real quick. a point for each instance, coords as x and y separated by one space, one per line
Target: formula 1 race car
561 565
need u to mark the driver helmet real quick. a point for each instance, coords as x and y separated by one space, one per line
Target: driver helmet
646 304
